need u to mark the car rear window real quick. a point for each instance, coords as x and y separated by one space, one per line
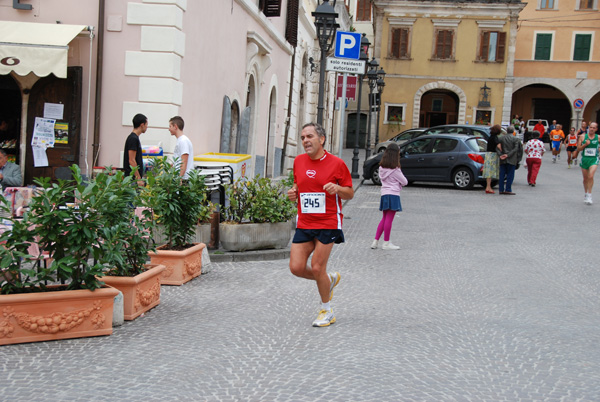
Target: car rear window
477 144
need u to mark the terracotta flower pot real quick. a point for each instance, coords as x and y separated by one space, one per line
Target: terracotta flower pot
47 316
140 293
181 266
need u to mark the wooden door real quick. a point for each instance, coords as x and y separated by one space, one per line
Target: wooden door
55 90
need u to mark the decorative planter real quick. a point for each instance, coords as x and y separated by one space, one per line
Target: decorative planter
202 234
140 293
181 266
254 236
48 316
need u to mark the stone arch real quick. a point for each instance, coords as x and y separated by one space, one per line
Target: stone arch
462 107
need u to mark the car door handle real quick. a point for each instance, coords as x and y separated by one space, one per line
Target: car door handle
451 158
420 159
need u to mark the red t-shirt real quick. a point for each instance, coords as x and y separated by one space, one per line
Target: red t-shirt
317 209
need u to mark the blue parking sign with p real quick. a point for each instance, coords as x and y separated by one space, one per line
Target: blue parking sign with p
347 45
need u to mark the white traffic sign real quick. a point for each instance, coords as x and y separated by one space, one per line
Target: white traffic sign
346 66
347 45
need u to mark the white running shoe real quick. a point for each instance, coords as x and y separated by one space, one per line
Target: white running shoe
324 319
375 244
335 279
587 199
388 245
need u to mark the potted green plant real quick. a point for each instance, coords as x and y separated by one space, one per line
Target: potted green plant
258 216
66 220
177 206
127 242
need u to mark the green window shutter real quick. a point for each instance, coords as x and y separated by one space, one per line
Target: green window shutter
543 45
582 47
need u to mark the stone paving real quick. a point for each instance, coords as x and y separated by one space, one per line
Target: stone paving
490 298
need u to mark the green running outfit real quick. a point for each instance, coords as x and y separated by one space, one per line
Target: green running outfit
590 153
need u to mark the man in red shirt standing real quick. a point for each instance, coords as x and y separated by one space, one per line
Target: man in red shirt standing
321 182
539 127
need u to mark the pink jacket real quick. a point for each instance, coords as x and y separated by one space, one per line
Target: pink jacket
392 181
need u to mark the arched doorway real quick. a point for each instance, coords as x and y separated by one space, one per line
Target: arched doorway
541 101
438 107
10 117
452 94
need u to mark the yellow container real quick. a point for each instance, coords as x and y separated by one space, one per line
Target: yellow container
240 163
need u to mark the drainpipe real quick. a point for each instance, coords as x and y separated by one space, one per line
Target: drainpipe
99 60
289 112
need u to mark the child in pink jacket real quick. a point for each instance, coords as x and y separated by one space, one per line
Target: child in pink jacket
392 181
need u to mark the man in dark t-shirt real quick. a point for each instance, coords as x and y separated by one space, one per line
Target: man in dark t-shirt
132 156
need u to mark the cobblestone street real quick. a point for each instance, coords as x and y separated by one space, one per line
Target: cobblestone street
490 297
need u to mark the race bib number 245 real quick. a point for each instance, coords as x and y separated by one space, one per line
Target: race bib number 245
312 203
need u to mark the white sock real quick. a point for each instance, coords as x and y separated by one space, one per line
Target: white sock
325 306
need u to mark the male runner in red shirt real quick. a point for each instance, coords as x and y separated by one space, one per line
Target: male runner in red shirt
321 182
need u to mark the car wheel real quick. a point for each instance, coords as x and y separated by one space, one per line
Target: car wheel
463 179
375 176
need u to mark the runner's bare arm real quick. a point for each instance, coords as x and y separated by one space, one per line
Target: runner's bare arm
293 193
345 193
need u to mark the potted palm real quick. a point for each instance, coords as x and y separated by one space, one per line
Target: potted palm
177 206
259 215
127 242
67 299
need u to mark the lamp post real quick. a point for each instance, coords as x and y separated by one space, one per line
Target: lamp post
364 55
372 78
325 16
380 87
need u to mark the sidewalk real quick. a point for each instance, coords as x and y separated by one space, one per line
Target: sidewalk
219 255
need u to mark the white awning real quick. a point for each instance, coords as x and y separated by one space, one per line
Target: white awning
34 47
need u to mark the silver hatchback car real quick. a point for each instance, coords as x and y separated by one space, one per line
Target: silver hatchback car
451 158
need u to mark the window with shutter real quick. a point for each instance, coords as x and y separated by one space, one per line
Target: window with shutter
399 46
270 8
547 4
582 47
363 10
492 46
443 45
291 27
543 46
587 5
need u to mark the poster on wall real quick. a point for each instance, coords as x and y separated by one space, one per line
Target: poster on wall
61 132
43 138
54 110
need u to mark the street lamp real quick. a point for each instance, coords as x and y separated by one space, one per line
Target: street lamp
380 88
325 16
372 78
364 55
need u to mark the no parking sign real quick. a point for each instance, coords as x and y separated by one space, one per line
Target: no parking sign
578 103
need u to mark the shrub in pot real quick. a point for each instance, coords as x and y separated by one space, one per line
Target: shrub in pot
177 205
258 215
126 246
66 219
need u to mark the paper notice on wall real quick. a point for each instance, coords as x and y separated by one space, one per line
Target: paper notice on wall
43 133
54 111
40 159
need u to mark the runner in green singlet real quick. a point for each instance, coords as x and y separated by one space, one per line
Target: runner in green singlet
587 145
